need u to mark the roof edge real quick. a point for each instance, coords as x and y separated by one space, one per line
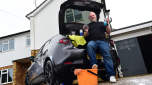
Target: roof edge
38 9
132 26
14 34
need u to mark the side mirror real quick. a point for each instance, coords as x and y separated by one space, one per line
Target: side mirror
32 58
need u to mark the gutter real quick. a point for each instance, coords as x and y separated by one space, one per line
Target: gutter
38 9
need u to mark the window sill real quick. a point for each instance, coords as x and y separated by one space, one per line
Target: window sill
28 45
7 83
7 51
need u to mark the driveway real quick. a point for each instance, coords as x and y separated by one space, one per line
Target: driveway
135 80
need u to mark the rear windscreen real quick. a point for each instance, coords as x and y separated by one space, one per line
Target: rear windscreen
73 15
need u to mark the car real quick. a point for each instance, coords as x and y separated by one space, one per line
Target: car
55 58
58 57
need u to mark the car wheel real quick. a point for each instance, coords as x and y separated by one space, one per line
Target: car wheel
56 82
48 72
27 80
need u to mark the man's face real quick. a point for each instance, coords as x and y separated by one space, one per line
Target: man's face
92 16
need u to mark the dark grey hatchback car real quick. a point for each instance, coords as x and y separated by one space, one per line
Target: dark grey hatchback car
54 62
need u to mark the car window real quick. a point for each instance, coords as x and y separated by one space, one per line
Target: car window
49 46
45 48
73 15
53 43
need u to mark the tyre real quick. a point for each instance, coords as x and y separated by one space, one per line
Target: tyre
27 80
48 72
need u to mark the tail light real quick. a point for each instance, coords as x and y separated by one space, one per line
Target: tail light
67 62
64 41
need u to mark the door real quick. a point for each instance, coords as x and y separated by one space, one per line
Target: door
131 57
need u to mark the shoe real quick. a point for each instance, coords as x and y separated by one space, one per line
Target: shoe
94 66
112 79
120 75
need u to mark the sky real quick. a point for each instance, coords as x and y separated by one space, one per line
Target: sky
12 15
129 12
123 13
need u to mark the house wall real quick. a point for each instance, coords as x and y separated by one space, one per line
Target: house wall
45 24
20 50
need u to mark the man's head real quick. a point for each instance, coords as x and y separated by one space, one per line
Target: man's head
92 17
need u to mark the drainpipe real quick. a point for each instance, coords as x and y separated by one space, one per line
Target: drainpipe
35 4
32 25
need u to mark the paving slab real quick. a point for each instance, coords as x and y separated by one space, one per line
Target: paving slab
135 80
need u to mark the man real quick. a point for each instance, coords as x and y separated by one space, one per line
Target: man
96 39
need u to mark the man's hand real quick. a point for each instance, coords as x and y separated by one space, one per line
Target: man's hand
107 20
108 29
86 29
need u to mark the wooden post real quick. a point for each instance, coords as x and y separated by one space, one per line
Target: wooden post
34 52
14 73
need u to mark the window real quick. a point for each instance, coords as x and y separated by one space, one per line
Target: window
1 46
69 15
28 41
6 45
45 47
10 75
72 15
11 44
78 15
6 75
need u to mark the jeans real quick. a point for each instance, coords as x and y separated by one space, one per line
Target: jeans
105 51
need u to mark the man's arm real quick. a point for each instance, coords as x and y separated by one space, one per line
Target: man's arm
108 29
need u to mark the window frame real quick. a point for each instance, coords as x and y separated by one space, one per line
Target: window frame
77 14
7 73
74 13
69 13
1 46
7 42
26 41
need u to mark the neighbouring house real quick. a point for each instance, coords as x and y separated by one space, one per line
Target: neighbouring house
12 47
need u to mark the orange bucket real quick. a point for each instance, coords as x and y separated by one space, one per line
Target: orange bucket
87 78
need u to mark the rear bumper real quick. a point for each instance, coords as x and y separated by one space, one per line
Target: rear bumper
67 70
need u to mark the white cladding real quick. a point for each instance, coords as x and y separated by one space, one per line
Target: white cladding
45 24
20 50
